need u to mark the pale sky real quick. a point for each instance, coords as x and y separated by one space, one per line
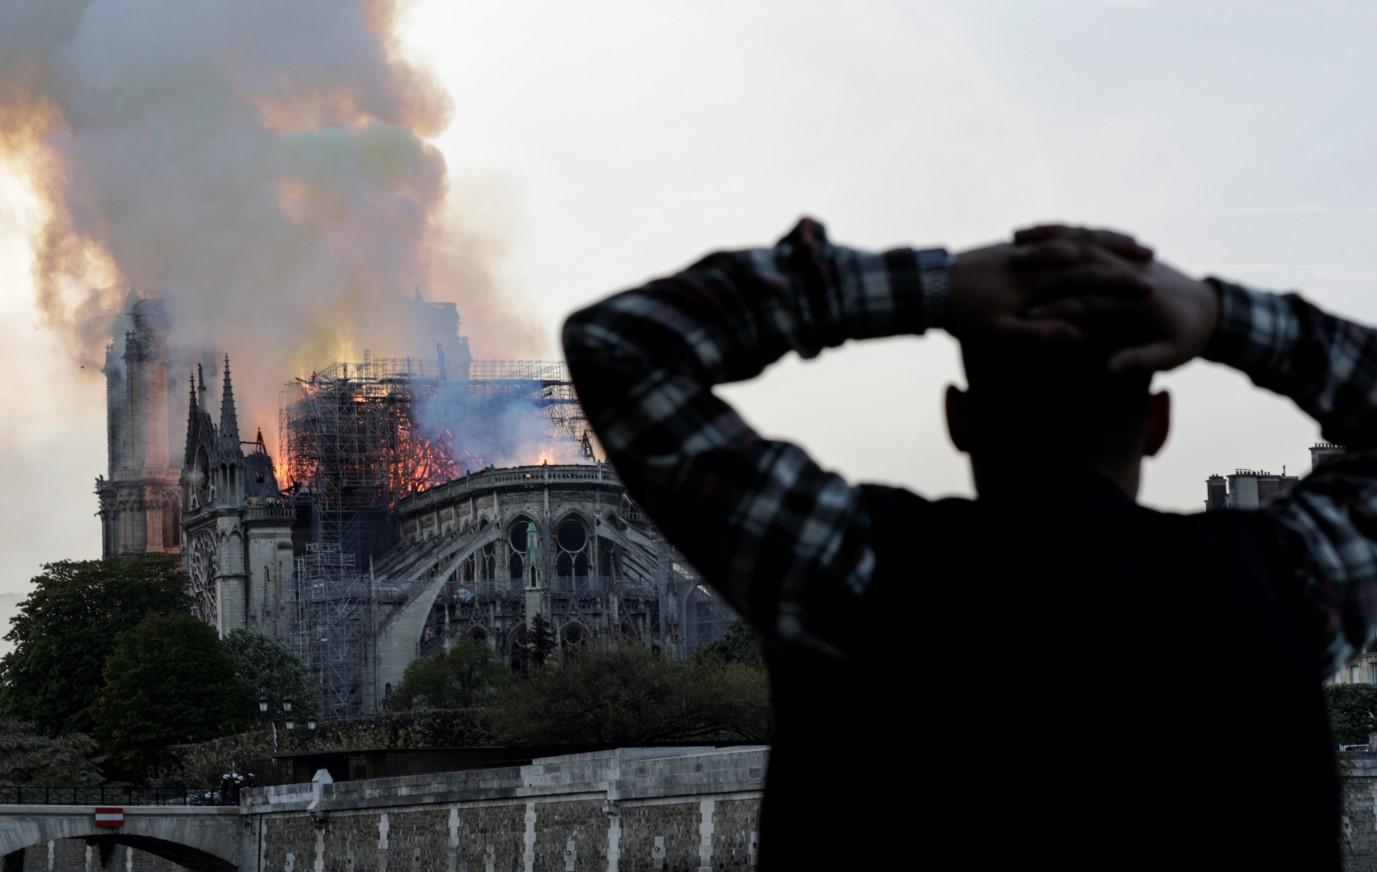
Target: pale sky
606 142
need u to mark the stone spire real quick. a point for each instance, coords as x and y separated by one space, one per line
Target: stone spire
193 410
229 422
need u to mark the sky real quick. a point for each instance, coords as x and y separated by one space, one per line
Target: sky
595 145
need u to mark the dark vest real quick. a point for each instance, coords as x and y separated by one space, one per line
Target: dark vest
1066 682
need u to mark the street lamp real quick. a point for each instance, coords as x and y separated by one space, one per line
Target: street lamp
288 719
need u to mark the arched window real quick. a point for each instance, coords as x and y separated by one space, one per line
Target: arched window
571 539
517 538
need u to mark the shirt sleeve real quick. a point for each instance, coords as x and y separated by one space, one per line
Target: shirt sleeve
786 542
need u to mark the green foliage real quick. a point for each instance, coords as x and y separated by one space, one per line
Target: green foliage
27 756
541 641
739 645
467 675
169 680
202 762
66 629
1352 712
270 668
628 695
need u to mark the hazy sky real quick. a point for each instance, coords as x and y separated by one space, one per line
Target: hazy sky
605 142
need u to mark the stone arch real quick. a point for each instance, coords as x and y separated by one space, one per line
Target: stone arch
399 639
197 838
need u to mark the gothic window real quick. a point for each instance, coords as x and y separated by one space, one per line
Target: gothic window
571 540
607 558
200 480
517 536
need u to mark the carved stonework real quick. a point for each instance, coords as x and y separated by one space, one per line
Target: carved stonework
203 571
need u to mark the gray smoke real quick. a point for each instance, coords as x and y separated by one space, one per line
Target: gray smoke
261 165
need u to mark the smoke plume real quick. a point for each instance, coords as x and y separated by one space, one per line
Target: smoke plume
262 166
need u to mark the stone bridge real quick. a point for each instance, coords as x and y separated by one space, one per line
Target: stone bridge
622 811
195 837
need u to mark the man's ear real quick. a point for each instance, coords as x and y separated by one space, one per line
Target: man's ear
1158 423
958 418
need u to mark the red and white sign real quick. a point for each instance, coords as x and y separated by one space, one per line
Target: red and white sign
110 817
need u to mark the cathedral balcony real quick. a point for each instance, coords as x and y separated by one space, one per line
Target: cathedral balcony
269 514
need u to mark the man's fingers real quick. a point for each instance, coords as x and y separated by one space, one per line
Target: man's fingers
1120 243
1144 358
1053 254
1100 279
1082 306
1041 329
1042 233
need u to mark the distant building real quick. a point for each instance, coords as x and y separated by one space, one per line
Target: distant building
1258 488
1254 489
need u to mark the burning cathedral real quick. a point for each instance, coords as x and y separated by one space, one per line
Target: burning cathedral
413 501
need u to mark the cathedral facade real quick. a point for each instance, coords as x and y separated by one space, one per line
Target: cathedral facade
237 528
361 579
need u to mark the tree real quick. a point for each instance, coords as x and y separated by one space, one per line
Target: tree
626 694
27 756
66 629
1352 712
740 644
467 675
270 668
541 642
169 680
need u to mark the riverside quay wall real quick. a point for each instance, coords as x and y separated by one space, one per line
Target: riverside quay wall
628 809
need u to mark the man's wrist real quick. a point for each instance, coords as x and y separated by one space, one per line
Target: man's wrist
934 278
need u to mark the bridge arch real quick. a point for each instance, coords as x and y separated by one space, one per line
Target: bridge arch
202 838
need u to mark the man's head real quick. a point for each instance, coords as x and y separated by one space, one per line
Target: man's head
1034 407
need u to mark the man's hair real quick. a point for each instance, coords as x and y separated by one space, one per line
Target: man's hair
1057 401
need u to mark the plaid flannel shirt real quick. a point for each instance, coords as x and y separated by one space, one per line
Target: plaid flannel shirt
786 542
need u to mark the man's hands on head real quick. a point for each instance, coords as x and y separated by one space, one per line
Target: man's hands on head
992 294
1060 283
1162 329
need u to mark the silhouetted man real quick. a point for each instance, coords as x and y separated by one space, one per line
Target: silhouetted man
1050 675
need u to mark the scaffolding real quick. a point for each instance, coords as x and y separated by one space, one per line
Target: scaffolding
353 445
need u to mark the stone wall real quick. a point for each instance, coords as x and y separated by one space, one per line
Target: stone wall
1358 781
630 809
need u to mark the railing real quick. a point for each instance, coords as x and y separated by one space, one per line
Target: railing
44 794
487 479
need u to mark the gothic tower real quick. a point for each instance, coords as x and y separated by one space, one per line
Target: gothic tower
139 504
238 530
